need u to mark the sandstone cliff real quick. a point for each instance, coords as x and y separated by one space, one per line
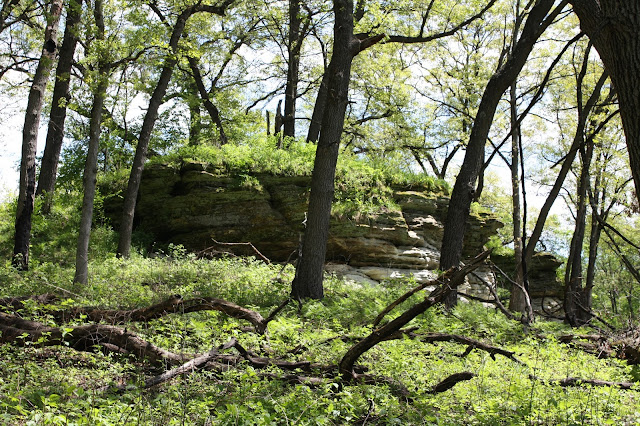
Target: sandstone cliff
196 206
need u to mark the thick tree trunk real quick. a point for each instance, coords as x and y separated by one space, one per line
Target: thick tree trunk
464 189
91 163
614 28
27 187
309 271
58 114
291 90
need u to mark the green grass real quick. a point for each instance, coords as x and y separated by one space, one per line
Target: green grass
58 385
61 386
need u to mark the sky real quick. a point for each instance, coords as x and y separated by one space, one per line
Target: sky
11 122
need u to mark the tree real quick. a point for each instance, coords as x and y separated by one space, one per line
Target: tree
464 190
58 114
308 279
294 47
309 271
454 84
128 210
91 164
30 139
614 28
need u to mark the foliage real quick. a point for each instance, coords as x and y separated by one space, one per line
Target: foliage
405 106
363 185
62 386
59 385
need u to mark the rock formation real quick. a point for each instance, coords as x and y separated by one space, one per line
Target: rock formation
197 207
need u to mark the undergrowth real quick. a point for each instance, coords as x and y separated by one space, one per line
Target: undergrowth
60 386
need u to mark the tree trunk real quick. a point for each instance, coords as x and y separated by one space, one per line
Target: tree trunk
309 271
129 207
291 90
55 132
614 28
213 111
519 297
27 187
91 163
594 242
576 312
519 300
128 210
464 189
318 110
195 118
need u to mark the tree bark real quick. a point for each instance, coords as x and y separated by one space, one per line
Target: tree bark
58 114
195 118
614 28
128 210
465 186
294 47
576 313
518 300
91 162
27 186
309 271
318 110
595 198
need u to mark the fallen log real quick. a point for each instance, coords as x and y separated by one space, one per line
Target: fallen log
623 345
174 304
86 338
15 304
578 382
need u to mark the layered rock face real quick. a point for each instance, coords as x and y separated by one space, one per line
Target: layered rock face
199 208
194 206
545 289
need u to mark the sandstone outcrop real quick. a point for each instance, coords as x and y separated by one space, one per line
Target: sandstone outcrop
197 207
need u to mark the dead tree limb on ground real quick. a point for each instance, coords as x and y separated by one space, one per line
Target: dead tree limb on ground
86 338
448 281
578 382
174 304
445 337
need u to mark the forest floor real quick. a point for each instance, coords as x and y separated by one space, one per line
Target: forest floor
180 340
